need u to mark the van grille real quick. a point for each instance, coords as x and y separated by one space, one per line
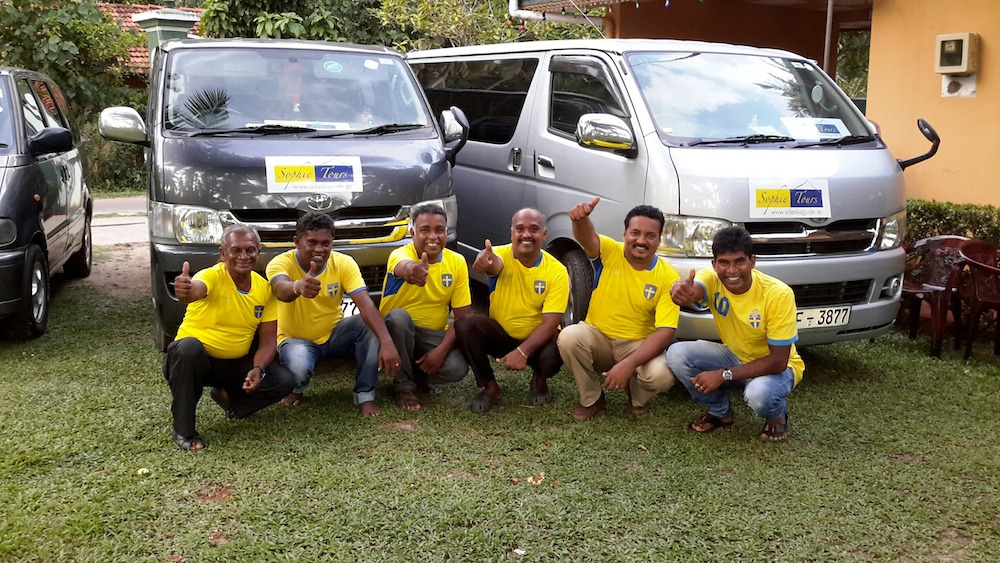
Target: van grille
799 239
837 293
354 224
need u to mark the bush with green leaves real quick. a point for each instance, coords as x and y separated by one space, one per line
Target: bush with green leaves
931 218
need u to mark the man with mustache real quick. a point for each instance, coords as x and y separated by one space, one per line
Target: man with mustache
755 316
529 289
631 318
227 305
310 283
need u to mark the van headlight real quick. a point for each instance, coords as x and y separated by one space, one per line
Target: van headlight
8 231
689 236
893 231
450 206
187 224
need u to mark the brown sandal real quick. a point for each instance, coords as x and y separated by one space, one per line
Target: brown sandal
713 421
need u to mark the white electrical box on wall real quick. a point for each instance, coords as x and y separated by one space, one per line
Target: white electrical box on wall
957 54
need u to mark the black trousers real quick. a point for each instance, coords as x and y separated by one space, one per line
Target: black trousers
188 369
480 337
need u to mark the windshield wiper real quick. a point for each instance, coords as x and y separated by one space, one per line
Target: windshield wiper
746 140
271 129
377 130
839 142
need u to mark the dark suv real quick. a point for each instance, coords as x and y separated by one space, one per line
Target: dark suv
45 206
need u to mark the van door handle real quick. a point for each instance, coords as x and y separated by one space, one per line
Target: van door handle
545 161
515 159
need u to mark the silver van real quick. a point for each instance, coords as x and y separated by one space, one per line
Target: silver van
262 131
712 134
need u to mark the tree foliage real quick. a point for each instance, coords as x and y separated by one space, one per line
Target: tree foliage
331 20
852 62
452 23
74 42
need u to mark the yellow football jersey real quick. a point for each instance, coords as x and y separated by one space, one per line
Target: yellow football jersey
628 303
519 296
748 322
314 319
226 320
447 284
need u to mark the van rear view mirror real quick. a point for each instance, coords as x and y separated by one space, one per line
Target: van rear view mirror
604 131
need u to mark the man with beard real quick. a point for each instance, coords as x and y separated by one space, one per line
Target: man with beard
631 318
529 289
423 281
227 305
311 282
755 316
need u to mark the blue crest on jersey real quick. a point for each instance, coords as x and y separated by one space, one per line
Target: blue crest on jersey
258 311
650 291
755 319
539 286
332 289
446 280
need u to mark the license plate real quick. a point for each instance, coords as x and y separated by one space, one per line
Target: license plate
822 317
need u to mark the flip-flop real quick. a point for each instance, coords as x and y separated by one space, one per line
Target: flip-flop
483 403
187 444
540 399
716 423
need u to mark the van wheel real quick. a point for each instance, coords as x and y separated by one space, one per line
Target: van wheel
33 318
581 283
82 261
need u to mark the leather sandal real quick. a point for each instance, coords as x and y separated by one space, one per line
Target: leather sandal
188 444
713 421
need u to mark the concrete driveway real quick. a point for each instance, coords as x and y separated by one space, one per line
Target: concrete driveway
119 220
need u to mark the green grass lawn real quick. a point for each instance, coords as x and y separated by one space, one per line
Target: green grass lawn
892 456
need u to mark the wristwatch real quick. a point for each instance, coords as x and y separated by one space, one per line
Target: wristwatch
727 375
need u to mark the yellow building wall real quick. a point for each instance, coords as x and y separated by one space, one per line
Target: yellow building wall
902 86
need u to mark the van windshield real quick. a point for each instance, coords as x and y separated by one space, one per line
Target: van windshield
288 90
704 98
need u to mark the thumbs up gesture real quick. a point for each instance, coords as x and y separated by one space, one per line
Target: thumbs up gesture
486 259
182 283
309 286
685 291
583 210
418 271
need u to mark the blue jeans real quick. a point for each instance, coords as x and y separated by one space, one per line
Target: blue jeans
350 337
766 395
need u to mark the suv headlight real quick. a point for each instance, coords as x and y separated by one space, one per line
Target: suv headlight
689 236
893 231
185 223
450 206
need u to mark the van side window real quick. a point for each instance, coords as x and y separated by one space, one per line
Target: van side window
48 102
580 85
34 122
491 93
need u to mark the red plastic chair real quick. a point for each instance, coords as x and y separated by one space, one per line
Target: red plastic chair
983 260
934 274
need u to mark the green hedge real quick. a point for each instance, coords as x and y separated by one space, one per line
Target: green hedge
930 218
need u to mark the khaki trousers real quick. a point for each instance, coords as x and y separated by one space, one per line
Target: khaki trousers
587 352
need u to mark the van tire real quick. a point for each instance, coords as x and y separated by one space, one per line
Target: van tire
33 318
581 283
81 262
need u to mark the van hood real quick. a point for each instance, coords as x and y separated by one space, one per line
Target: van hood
230 173
719 181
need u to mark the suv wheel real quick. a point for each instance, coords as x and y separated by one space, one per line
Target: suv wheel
33 318
82 261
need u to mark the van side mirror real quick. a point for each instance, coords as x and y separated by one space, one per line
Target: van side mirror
123 124
455 125
50 140
931 136
603 131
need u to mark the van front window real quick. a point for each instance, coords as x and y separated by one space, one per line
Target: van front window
227 88
697 98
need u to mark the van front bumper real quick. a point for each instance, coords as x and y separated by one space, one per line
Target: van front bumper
11 278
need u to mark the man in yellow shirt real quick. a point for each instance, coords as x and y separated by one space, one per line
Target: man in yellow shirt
227 305
529 289
423 281
755 316
631 319
310 283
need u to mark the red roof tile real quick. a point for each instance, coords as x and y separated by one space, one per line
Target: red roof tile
122 13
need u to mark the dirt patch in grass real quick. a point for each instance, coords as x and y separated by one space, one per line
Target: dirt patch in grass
400 426
121 271
215 493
